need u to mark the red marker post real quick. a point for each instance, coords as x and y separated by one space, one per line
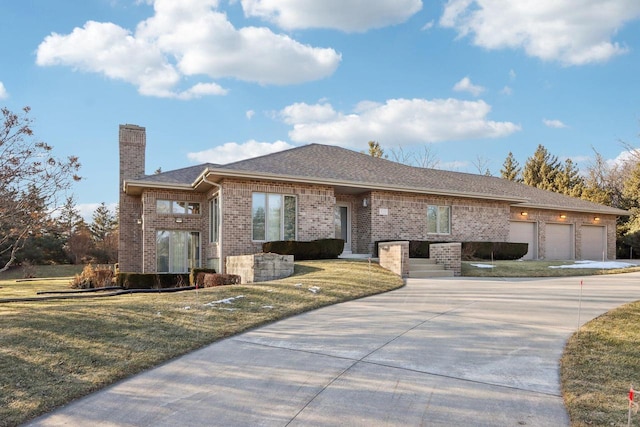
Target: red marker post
632 405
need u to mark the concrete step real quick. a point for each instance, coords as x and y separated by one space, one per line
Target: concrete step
421 268
430 274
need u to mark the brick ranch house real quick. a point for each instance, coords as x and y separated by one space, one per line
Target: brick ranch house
199 215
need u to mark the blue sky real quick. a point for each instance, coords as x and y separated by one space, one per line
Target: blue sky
220 80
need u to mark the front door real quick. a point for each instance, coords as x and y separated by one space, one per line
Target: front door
342 222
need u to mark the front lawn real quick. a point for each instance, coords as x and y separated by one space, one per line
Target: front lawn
52 352
533 269
598 367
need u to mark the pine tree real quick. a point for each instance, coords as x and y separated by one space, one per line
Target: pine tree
104 230
511 169
569 181
375 150
541 170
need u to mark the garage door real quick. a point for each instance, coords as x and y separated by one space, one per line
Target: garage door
559 241
592 242
524 232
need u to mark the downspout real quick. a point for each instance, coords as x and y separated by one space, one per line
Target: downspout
215 184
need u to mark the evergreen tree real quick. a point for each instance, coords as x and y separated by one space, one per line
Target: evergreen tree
69 217
375 150
541 170
104 233
511 169
569 181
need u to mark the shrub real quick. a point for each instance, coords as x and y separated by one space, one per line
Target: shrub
315 249
213 279
494 250
196 277
152 280
92 278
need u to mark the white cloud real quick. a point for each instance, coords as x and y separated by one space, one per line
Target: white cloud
572 32
512 75
250 114
396 122
429 25
3 91
556 124
232 151
465 85
624 157
344 15
186 39
506 90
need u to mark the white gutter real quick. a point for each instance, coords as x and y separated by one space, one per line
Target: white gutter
222 264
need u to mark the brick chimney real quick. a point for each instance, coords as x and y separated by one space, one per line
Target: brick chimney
132 142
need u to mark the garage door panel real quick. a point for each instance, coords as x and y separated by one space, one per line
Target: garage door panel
524 232
593 242
559 241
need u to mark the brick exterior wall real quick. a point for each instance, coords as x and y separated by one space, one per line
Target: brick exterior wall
315 211
132 142
578 219
406 219
153 221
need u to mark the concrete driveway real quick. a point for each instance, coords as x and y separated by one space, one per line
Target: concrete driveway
437 352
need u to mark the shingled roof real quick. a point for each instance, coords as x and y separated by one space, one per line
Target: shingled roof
341 167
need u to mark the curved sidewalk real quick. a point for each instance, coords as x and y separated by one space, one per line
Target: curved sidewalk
437 352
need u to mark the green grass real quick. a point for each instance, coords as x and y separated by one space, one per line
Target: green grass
533 269
599 364
42 271
54 351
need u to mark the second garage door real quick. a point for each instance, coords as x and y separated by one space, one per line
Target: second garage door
592 242
559 241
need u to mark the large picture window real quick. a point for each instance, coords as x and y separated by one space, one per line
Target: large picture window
177 251
439 219
273 217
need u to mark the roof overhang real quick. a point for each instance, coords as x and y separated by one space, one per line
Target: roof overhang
135 188
217 175
604 211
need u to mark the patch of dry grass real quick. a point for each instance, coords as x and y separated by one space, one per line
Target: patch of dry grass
533 269
52 352
599 364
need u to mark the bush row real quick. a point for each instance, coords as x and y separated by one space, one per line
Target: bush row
151 280
316 249
470 250
211 280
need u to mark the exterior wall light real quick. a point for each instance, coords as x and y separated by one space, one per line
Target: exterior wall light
596 218
524 213
562 216
365 202
139 221
179 220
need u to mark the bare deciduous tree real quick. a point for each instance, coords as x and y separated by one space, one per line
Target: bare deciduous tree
32 180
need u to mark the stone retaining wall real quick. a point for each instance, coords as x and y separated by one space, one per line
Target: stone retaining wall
260 267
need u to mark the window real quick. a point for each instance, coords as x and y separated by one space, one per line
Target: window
273 217
175 207
439 219
214 220
177 251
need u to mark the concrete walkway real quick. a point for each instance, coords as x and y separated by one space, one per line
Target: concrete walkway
437 352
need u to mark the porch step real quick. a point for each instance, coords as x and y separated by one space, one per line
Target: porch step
423 268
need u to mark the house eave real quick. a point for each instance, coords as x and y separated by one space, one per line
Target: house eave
135 188
218 174
604 211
